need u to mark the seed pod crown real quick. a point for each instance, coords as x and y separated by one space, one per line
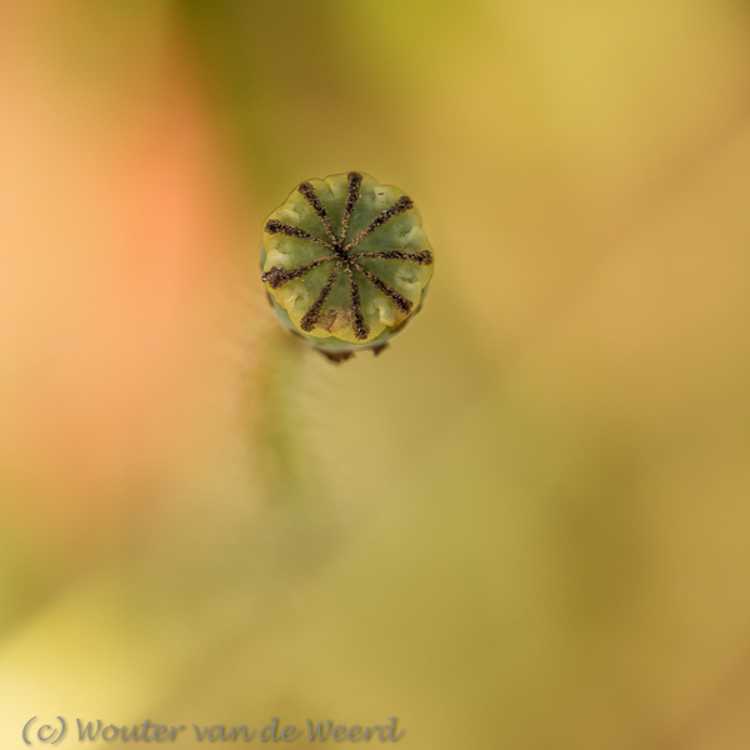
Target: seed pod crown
346 262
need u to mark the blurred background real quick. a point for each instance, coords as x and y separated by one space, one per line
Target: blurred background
526 524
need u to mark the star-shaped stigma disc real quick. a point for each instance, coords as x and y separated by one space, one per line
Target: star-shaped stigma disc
341 250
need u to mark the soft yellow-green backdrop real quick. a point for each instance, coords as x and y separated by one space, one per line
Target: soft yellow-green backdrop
524 526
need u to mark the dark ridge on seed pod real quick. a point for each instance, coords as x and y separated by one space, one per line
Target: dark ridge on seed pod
361 331
279 227
397 298
308 191
355 182
423 258
311 316
404 203
277 277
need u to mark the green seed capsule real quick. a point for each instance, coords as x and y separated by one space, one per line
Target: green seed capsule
346 263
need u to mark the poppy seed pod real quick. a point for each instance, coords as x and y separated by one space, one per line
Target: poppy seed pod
346 263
